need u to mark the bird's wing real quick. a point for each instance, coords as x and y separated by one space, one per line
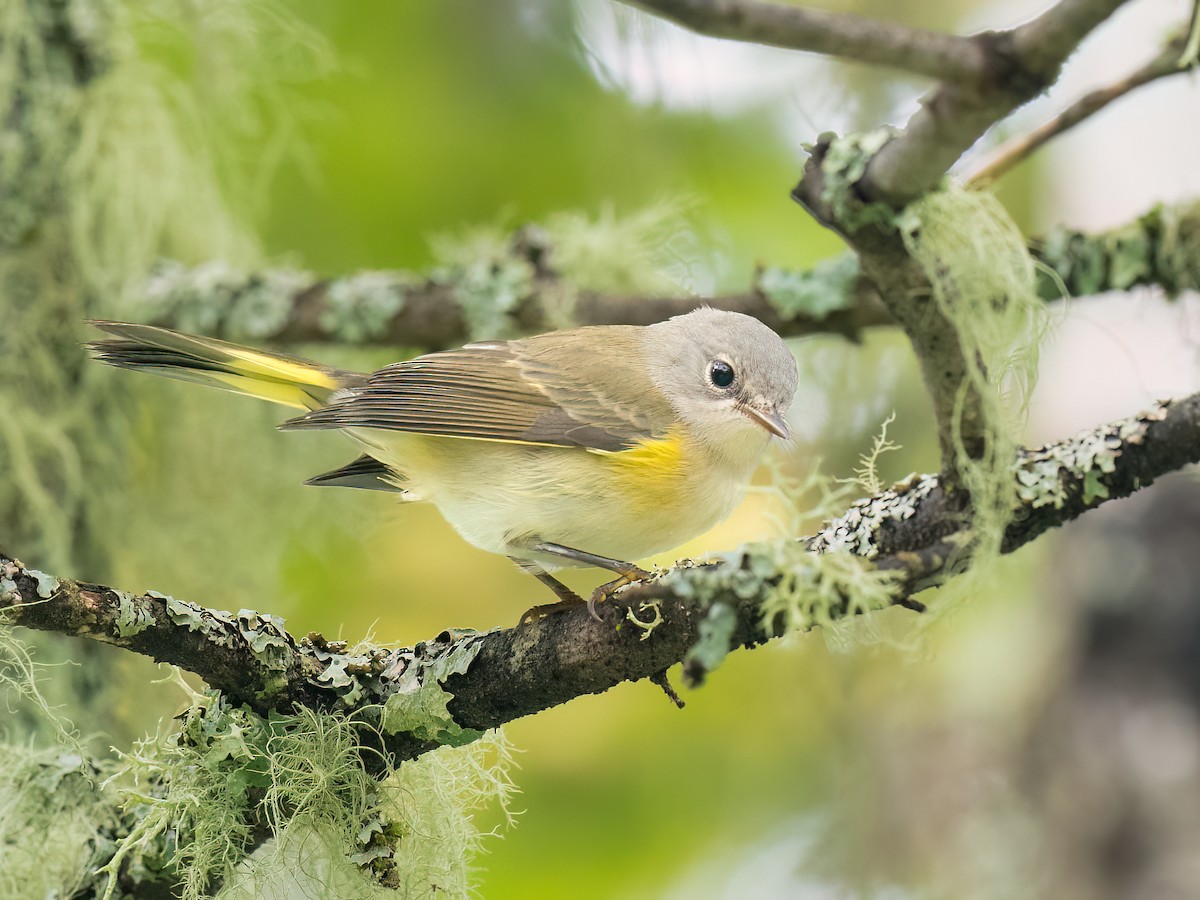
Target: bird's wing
555 389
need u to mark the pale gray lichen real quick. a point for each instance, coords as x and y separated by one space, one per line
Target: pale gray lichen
488 278
857 529
357 675
490 293
8 590
269 641
182 612
217 296
263 633
713 645
46 584
814 293
1088 456
795 588
360 306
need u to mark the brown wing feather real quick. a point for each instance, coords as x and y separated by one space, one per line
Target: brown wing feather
543 390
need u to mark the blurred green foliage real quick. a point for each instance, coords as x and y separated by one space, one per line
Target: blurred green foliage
429 116
441 115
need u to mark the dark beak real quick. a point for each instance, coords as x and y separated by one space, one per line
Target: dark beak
771 420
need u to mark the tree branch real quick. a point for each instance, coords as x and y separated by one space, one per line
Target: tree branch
1013 151
1026 60
1160 248
288 306
916 531
930 53
447 308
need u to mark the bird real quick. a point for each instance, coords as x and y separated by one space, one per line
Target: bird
593 446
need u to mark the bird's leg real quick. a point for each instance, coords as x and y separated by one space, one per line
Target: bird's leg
567 598
628 572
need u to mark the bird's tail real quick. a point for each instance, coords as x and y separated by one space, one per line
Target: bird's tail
231 367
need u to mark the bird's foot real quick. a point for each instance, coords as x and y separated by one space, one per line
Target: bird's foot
606 591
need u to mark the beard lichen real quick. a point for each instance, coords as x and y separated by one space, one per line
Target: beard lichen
130 131
494 270
229 778
983 281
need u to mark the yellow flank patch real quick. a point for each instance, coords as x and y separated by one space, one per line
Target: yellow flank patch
276 392
661 458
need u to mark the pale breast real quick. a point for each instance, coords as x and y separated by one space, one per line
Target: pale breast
504 497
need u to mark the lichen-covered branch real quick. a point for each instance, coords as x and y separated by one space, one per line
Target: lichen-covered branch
831 33
1020 147
402 309
1160 248
455 687
828 190
453 305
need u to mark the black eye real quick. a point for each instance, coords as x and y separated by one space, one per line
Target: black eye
720 373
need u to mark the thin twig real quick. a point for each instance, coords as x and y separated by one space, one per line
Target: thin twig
931 53
1001 160
1191 51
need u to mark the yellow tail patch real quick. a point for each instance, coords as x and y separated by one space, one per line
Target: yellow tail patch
275 391
251 363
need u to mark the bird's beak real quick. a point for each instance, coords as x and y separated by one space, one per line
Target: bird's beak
770 419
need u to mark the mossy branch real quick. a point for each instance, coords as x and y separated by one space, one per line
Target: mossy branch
453 688
446 307
404 309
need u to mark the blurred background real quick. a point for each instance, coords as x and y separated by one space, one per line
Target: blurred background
1041 739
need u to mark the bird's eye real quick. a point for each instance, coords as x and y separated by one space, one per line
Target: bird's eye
720 373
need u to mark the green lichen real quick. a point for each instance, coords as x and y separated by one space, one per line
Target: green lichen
53 814
646 253
813 294
1161 248
183 613
418 702
133 616
1177 259
844 165
416 836
646 626
360 307
334 824
712 646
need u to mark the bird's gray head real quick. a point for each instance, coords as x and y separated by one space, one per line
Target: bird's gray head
728 375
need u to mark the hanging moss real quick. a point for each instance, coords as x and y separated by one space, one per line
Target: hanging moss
983 282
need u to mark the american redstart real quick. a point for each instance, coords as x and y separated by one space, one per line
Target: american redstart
591 446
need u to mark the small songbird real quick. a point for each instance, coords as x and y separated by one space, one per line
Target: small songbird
587 447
